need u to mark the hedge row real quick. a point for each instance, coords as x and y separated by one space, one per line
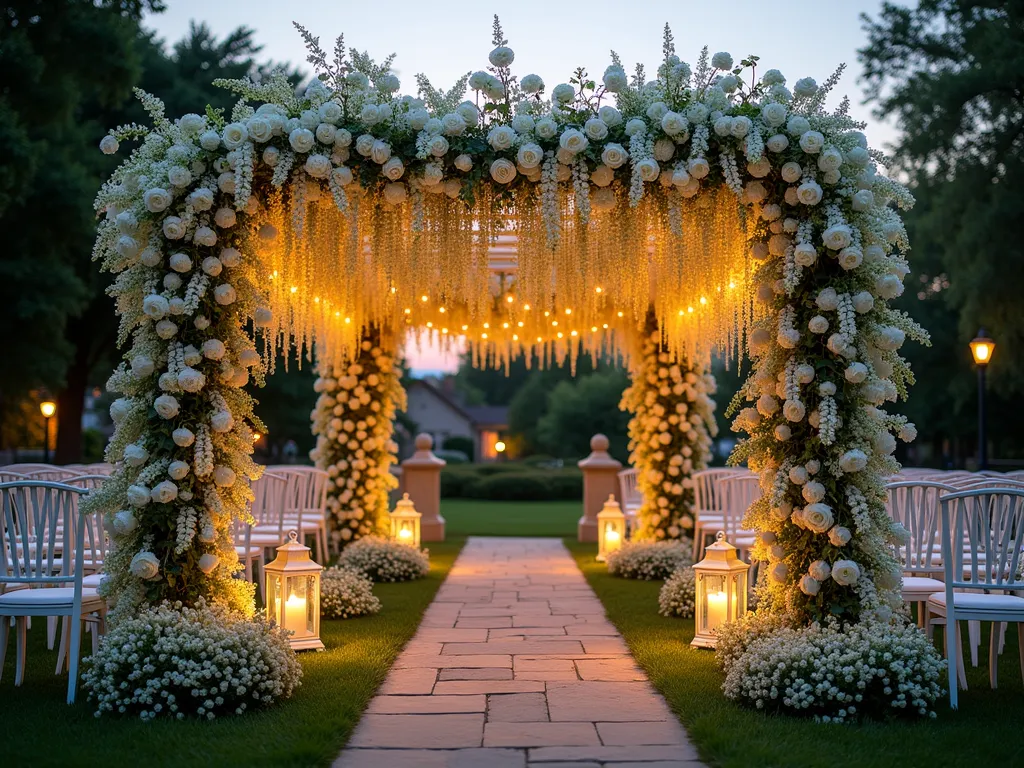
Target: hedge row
512 482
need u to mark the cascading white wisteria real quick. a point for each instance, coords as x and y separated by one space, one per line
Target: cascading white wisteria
354 424
670 435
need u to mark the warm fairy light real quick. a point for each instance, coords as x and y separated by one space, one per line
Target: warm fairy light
568 311
295 289
316 299
429 324
487 325
526 307
408 311
424 298
348 320
574 333
703 300
598 289
510 299
441 310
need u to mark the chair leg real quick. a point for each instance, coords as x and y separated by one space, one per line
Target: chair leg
952 659
974 635
76 640
993 655
696 541
1002 636
21 631
62 653
5 634
259 576
51 631
961 671
1020 647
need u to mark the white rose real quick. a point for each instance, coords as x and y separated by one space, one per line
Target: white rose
342 176
109 145
468 112
395 193
145 566
135 455
809 585
222 421
464 163
174 228
501 137
722 61
214 349
839 537
649 169
164 492
156 199
530 155
805 87
124 522
853 460
166 406
888 286
380 152
797 125
698 167
610 115
615 79
208 562
454 124
155 306
741 126
212 266
503 171
531 84
209 140
223 477
301 140
604 199
205 236
138 495
393 169
845 572
614 155
596 129
262 317
813 492
779 573
664 149
818 517
809 193
573 141
830 160
850 258
318 166
794 410
563 93
812 142
856 373
437 146
224 294
837 236
523 123
177 470
183 437
602 176
673 123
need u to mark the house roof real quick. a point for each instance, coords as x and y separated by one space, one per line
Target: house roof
477 415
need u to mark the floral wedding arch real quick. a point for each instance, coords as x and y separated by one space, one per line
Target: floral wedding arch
735 209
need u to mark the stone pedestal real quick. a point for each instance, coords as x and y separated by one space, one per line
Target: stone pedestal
421 479
600 480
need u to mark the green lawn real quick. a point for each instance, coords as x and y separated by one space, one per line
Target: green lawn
511 518
38 729
986 730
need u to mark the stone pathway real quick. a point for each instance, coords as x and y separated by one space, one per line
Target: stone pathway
515 664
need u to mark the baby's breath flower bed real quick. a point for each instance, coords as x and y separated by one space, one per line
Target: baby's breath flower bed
346 593
984 731
308 729
677 594
385 560
649 560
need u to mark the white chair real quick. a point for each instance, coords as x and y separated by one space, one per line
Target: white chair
41 528
738 493
631 498
982 539
306 505
708 515
915 505
268 512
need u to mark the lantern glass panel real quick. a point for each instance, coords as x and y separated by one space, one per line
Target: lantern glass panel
405 531
297 607
714 603
274 604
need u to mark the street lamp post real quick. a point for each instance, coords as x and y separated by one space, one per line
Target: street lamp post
47 408
982 348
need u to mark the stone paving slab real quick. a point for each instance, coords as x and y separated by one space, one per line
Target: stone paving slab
515 665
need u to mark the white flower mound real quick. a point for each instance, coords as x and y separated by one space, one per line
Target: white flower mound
650 561
346 593
834 672
677 594
171 660
385 560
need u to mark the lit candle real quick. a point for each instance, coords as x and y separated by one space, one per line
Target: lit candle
404 533
295 613
717 609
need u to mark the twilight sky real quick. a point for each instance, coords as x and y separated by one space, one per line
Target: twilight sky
445 39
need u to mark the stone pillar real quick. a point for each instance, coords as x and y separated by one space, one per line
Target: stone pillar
421 479
600 480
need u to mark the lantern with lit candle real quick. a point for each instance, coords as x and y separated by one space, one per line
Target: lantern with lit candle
611 528
293 594
721 590
405 522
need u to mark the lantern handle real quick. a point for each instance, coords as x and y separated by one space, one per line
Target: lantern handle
293 537
720 536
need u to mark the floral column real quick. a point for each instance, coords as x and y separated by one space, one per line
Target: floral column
354 422
670 435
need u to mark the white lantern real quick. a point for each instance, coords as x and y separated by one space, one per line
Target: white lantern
611 528
721 591
405 522
293 594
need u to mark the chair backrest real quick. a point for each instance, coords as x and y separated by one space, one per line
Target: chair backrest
989 482
738 493
268 506
627 484
7 476
915 505
989 524
41 527
707 497
88 482
54 474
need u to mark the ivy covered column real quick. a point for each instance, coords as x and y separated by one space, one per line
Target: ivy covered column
354 424
670 434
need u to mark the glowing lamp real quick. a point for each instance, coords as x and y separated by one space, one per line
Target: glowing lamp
499 446
982 348
293 594
611 528
47 408
721 590
405 522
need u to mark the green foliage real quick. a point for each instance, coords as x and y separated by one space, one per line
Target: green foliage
577 410
948 73
459 443
511 481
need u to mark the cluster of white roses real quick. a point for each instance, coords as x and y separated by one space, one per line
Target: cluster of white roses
649 560
354 422
170 660
346 593
832 671
382 559
678 594
670 436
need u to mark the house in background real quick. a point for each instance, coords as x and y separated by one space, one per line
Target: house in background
437 409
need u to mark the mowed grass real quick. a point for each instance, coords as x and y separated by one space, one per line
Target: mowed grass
310 729
466 517
985 731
